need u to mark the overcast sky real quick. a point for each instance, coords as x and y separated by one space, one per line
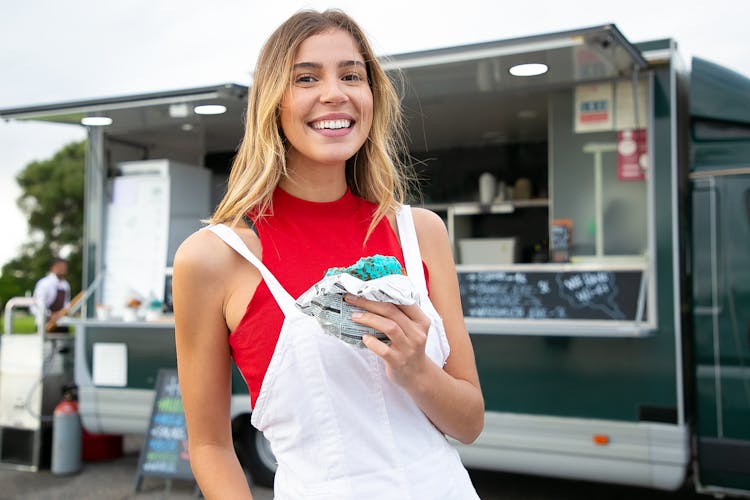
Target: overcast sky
53 51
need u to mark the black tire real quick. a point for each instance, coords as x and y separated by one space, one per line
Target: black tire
253 452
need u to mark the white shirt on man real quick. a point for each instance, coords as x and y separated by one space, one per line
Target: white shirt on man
46 289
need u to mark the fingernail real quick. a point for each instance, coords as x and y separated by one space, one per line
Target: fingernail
357 314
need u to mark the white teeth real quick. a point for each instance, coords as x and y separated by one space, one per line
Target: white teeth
332 124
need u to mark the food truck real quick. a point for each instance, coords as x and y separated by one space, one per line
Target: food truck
597 194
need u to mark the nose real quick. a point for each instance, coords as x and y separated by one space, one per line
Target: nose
332 92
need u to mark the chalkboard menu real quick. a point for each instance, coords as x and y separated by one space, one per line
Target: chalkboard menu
575 295
164 452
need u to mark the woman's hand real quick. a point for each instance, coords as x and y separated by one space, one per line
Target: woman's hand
406 327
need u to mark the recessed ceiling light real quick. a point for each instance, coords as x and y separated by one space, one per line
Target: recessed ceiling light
180 110
96 121
530 69
210 109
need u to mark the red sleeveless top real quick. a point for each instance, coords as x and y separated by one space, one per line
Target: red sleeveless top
300 241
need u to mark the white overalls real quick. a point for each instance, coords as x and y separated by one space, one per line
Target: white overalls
339 428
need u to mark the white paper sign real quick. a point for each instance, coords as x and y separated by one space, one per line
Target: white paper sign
110 362
135 249
593 108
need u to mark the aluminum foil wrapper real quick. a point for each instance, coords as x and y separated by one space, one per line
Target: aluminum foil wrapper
325 301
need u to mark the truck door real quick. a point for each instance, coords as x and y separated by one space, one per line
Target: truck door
721 313
719 104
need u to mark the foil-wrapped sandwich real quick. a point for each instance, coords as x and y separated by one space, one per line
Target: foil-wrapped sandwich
378 277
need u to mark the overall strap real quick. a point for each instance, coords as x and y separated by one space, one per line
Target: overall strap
410 247
231 238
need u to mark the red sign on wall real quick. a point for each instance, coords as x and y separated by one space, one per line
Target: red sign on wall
632 155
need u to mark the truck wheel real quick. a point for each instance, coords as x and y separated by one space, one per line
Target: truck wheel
254 452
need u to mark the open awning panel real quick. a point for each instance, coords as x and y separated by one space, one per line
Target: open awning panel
571 57
466 95
155 120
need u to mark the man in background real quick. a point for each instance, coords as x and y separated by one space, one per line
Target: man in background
53 291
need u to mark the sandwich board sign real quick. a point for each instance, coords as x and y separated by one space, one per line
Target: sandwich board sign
165 448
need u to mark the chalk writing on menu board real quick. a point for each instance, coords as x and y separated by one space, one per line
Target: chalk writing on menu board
164 450
607 295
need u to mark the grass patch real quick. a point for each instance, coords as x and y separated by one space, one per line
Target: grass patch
22 323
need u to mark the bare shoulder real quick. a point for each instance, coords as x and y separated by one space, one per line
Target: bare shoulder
434 244
430 227
202 253
210 275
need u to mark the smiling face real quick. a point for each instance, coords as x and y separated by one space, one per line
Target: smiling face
326 113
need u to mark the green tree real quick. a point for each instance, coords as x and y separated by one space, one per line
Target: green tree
52 200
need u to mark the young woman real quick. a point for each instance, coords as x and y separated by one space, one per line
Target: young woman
317 184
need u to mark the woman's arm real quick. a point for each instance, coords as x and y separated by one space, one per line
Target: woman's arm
204 366
450 397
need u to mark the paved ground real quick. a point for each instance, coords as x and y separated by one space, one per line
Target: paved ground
114 480
106 480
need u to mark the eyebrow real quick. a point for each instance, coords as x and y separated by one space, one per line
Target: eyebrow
314 65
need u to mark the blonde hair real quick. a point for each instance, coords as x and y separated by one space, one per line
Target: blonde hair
376 172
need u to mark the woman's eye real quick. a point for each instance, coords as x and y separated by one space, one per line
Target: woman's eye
304 79
353 77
